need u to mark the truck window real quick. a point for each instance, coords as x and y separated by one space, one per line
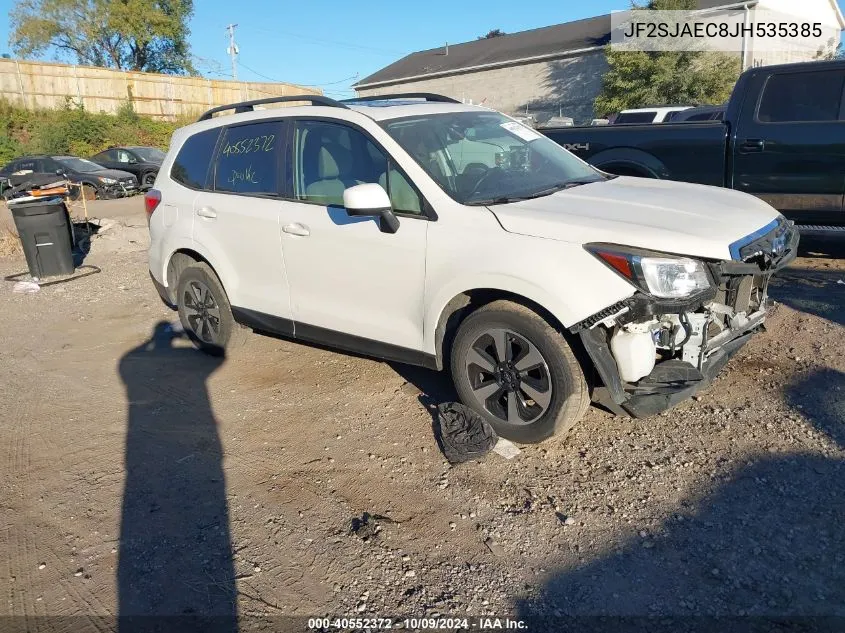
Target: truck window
801 97
636 117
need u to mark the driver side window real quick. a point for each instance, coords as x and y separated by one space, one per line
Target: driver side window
331 157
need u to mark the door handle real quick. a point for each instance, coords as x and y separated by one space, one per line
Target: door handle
296 228
207 212
752 145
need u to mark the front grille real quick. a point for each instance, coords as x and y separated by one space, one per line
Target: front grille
769 246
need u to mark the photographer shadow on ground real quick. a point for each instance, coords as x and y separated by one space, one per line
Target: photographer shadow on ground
769 541
175 556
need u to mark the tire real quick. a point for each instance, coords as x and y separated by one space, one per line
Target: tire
148 178
87 191
537 358
208 323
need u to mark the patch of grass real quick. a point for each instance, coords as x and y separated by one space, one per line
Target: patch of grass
73 130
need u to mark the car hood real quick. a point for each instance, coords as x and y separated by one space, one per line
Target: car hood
117 174
652 214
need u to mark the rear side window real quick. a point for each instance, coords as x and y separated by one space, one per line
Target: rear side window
192 162
636 117
795 97
249 159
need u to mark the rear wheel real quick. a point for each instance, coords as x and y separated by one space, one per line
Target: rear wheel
205 312
517 371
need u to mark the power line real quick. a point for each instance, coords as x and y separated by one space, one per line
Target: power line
329 83
350 45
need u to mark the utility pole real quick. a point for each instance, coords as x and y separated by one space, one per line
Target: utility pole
233 50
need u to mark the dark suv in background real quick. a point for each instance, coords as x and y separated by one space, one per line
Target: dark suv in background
142 162
95 180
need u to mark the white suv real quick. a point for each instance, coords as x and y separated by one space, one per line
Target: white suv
416 229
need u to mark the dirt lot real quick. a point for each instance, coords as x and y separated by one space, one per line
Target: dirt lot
139 476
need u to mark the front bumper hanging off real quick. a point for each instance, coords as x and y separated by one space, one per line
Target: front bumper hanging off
673 380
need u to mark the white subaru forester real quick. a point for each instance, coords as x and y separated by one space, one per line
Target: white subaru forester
416 229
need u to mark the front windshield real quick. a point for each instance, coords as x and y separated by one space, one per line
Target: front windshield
486 158
78 164
149 153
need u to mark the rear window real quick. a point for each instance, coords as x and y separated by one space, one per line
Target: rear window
191 165
636 117
249 160
795 97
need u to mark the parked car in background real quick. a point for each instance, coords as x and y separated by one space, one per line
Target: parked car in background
430 232
142 162
700 113
92 180
782 140
647 115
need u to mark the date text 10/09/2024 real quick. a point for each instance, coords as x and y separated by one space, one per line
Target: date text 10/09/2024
418 624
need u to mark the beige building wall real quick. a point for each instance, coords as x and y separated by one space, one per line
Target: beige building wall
567 85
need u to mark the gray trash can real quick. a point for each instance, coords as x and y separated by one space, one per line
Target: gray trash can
45 231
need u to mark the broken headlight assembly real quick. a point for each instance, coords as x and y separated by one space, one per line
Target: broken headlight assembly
656 274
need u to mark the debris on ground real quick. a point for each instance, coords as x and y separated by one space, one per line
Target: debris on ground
368 525
462 434
26 287
506 448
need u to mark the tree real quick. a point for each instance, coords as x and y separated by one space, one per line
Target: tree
644 78
491 34
148 35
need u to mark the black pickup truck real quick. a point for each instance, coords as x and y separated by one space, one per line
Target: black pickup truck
783 140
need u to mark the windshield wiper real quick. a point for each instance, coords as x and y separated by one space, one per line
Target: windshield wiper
568 184
499 200
560 187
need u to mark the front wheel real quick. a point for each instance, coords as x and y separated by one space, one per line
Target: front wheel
516 370
85 191
205 312
148 179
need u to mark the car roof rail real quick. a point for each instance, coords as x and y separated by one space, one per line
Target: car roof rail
426 96
249 106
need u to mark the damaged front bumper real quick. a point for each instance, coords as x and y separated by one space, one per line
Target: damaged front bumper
120 189
716 325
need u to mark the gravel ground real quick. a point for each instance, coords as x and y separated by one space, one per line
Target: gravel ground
139 476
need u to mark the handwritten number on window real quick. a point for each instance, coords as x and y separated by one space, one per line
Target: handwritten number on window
262 143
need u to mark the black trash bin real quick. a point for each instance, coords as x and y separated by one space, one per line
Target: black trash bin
45 231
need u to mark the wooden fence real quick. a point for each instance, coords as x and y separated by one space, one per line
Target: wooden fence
49 85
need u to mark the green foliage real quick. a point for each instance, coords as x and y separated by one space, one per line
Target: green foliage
639 79
667 5
491 34
73 130
148 35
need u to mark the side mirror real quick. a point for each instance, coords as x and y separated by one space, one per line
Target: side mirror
370 199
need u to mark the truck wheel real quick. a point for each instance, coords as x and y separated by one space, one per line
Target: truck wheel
516 370
148 178
205 312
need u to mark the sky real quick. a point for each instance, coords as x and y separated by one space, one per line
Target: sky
333 44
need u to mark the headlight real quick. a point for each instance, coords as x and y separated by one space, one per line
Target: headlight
670 278
106 181
662 276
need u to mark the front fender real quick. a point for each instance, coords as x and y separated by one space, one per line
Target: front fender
521 287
